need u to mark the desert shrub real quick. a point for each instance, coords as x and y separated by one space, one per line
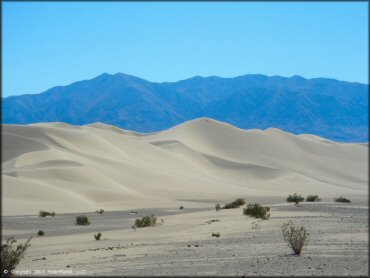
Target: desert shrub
46 213
295 198
217 207
181 207
100 211
11 255
341 199
40 233
313 198
296 236
82 220
257 211
237 203
255 226
97 236
216 234
146 221
212 221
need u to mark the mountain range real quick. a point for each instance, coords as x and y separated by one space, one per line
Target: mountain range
329 108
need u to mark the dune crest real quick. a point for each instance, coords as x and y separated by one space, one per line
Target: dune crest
65 168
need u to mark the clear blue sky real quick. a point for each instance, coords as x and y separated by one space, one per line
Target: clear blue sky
49 44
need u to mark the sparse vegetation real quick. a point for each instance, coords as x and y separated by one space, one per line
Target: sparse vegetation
237 203
212 221
296 236
216 234
217 207
181 207
313 198
295 198
255 226
257 211
82 220
40 233
97 236
100 211
11 255
341 199
146 221
46 213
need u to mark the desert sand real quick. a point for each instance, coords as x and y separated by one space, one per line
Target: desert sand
73 170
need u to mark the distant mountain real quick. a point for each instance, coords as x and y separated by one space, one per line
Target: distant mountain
329 108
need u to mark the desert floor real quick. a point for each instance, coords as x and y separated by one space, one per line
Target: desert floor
184 245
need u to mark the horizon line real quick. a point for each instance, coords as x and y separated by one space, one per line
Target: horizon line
192 77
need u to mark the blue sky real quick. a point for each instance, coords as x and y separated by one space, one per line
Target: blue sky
49 44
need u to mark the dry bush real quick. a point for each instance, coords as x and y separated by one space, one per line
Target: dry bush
82 220
146 221
218 207
11 255
257 211
46 213
295 198
237 203
313 198
296 236
100 211
216 234
40 233
341 199
97 236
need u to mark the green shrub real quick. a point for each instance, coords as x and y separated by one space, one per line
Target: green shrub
342 200
313 198
46 213
11 255
100 211
216 234
237 203
40 233
257 211
295 198
181 207
82 220
146 221
296 236
97 236
217 207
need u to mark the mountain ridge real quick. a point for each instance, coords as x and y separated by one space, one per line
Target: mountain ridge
329 108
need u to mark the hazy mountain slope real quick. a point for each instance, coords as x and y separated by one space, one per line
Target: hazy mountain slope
329 108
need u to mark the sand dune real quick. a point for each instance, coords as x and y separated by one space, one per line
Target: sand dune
65 168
